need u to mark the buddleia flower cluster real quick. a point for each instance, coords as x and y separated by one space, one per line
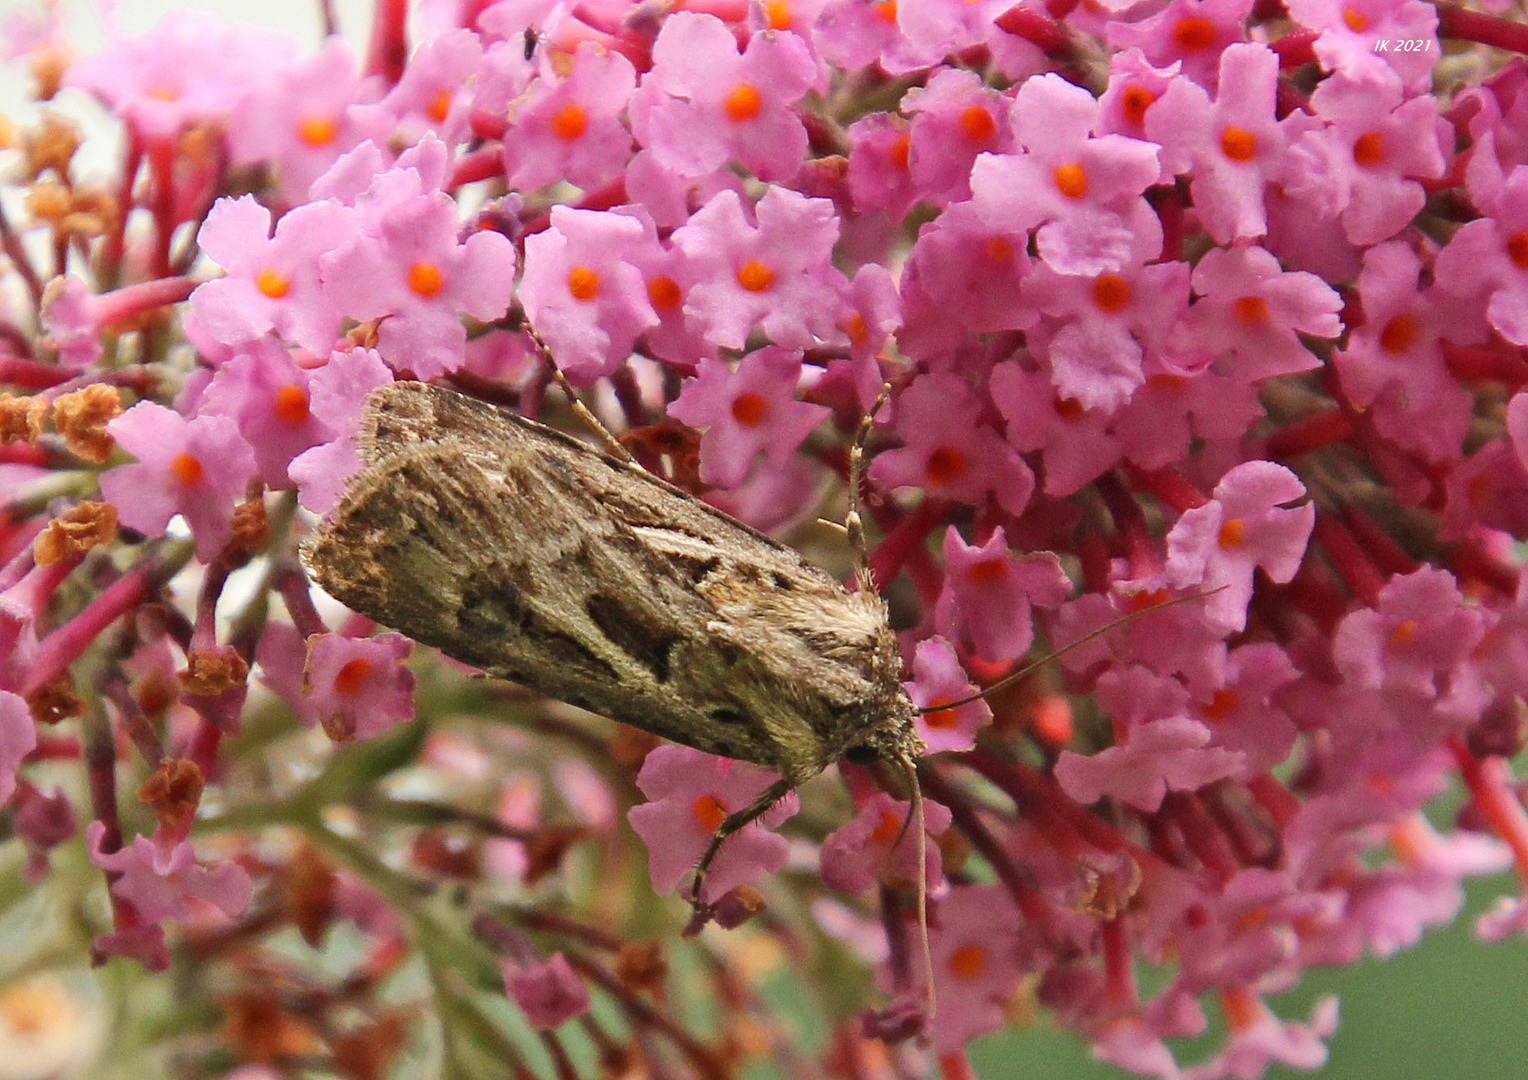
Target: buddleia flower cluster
1202 301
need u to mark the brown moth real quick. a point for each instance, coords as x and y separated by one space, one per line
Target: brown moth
527 553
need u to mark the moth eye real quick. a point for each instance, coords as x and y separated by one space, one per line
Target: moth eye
862 755
783 583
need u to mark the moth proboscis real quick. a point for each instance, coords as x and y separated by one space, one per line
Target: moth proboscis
524 552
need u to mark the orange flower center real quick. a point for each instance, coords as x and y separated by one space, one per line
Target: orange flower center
945 465
1238 144
186 469
709 811
317 131
750 409
350 678
1071 180
570 121
742 103
1110 293
291 404
1250 309
583 283
978 125
663 292
968 962
755 276
425 279
272 283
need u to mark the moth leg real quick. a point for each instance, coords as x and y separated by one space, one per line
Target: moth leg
583 412
731 824
854 524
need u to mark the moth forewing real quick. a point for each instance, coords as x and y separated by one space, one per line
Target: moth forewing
524 552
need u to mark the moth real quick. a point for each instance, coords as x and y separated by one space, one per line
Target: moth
538 558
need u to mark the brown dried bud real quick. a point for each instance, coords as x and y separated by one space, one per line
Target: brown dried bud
174 790
83 526
55 700
81 418
261 1029
251 528
51 144
19 419
308 888
544 850
49 201
368 1052
640 966
211 671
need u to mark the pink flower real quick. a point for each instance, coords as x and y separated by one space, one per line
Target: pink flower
359 687
583 294
192 68
1232 148
938 679
1420 638
880 842
18 738
948 451
690 794
746 412
271 283
776 274
703 104
336 395
197 467
954 118
297 119
985 602
1255 310
570 129
1082 192
1170 754
1075 443
408 269
1364 157
266 394
158 881
974 942
1351 31
1245 526
1192 33
1480 260
434 94
549 993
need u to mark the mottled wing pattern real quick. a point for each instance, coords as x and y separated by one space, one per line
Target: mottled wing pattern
524 552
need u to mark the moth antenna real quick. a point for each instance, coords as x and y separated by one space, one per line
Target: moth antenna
854 524
910 769
583 412
1009 680
731 824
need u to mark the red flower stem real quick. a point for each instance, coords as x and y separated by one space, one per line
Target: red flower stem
956 1066
115 242
1387 555
389 48
161 160
1172 489
1348 556
113 686
1029 23
1275 800
1503 364
62 647
29 374
1119 971
1490 784
21 259
292 584
1472 562
1141 551
1456 22
1309 433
